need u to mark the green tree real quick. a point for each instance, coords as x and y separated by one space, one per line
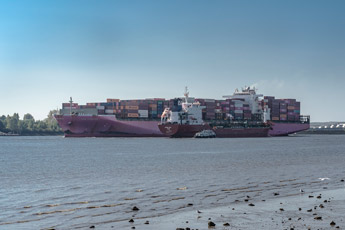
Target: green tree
28 126
28 116
2 126
40 126
51 122
13 123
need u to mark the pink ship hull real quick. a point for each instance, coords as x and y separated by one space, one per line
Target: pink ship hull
106 126
284 129
109 126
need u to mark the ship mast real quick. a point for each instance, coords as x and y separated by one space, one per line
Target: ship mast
70 105
186 93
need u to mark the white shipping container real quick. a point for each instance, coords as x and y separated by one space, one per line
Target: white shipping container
109 111
218 110
100 107
143 112
210 100
238 111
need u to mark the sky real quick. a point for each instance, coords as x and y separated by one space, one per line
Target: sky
93 50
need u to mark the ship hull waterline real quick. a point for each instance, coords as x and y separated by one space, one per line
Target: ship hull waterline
109 126
178 130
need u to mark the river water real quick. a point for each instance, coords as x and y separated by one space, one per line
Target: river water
74 183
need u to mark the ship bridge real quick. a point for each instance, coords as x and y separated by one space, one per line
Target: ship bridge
248 95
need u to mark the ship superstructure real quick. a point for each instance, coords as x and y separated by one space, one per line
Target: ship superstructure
190 112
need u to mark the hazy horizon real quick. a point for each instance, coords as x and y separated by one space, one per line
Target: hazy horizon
51 50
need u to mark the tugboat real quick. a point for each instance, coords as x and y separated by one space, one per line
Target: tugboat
185 120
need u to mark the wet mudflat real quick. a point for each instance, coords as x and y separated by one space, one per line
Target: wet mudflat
254 183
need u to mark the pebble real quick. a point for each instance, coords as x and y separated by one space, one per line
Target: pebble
332 223
226 224
147 222
92 226
318 218
131 221
281 209
251 204
211 224
276 193
135 208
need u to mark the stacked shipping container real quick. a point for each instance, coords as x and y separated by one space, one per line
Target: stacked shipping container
237 109
283 109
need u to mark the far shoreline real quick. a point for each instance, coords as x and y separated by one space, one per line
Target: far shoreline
31 134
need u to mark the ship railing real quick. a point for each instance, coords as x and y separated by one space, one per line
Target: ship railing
237 124
138 119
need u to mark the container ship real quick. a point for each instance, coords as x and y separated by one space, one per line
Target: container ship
140 118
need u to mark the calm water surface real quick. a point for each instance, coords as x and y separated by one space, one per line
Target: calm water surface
66 183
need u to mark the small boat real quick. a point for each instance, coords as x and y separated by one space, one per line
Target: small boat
205 134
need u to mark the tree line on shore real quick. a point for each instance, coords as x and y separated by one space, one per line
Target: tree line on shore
29 126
